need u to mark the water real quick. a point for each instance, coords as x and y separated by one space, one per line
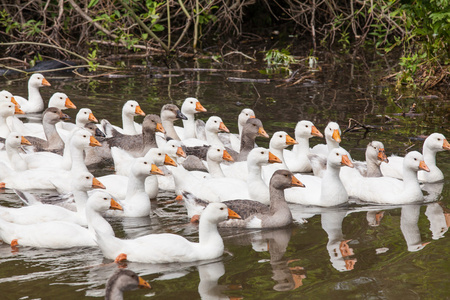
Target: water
358 252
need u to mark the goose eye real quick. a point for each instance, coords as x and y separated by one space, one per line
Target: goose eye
85 112
87 177
7 97
218 150
221 208
84 136
60 97
281 136
262 152
17 137
132 105
337 154
246 115
159 154
254 125
306 126
105 198
192 102
145 162
439 139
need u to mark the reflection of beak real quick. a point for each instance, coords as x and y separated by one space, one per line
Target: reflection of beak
93 142
223 127
69 104
336 136
316 132
296 182
144 284
156 171
423 166
446 145
169 161
345 249
350 264
160 128
233 215
273 158
45 82
262 132
139 111
382 155
180 152
24 141
92 118
2 185
96 184
346 161
290 141
179 198
115 205
226 156
199 107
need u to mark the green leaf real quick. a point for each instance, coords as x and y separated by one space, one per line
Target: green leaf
92 3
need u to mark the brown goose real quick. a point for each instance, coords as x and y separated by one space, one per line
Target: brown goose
169 114
123 280
252 128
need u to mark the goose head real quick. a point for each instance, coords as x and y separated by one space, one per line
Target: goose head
132 108
333 132
6 96
53 115
173 149
191 106
171 112
245 114
306 129
61 101
159 157
15 140
254 127
123 280
283 179
217 212
218 154
143 166
94 130
375 153
281 140
102 201
8 109
151 124
215 124
85 181
338 157
414 161
261 157
82 139
436 142
38 80
85 115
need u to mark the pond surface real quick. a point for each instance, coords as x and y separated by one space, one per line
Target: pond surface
342 253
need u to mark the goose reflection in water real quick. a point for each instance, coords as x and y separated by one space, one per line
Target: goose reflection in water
337 246
439 217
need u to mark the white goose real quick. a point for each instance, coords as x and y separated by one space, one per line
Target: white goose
190 107
11 157
297 159
328 191
232 140
433 144
7 124
213 126
37 212
60 234
130 109
386 190
169 248
34 104
279 141
333 138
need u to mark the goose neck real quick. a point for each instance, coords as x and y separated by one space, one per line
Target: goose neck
373 169
77 157
213 138
302 148
214 168
410 178
149 140
170 130
136 184
277 199
279 153
53 139
332 144
128 124
189 126
80 201
209 234
429 156
34 96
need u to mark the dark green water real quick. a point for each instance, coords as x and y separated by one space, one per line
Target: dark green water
301 262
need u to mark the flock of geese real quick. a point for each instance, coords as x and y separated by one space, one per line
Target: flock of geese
223 179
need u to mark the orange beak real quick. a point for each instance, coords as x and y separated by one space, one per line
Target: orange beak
296 182
179 198
69 104
139 111
223 127
180 152
93 142
2 185
233 215
290 141
160 128
143 284
92 118
18 111
199 107
423 166
13 100
346 161
96 184
316 132
156 171
45 82
24 141
115 205
262 132
446 145
273 158
226 156
120 257
251 117
382 155
336 136
169 162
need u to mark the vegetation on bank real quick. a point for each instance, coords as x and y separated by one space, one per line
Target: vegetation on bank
93 31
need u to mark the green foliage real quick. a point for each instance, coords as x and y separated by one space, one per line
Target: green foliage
279 58
7 22
92 57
